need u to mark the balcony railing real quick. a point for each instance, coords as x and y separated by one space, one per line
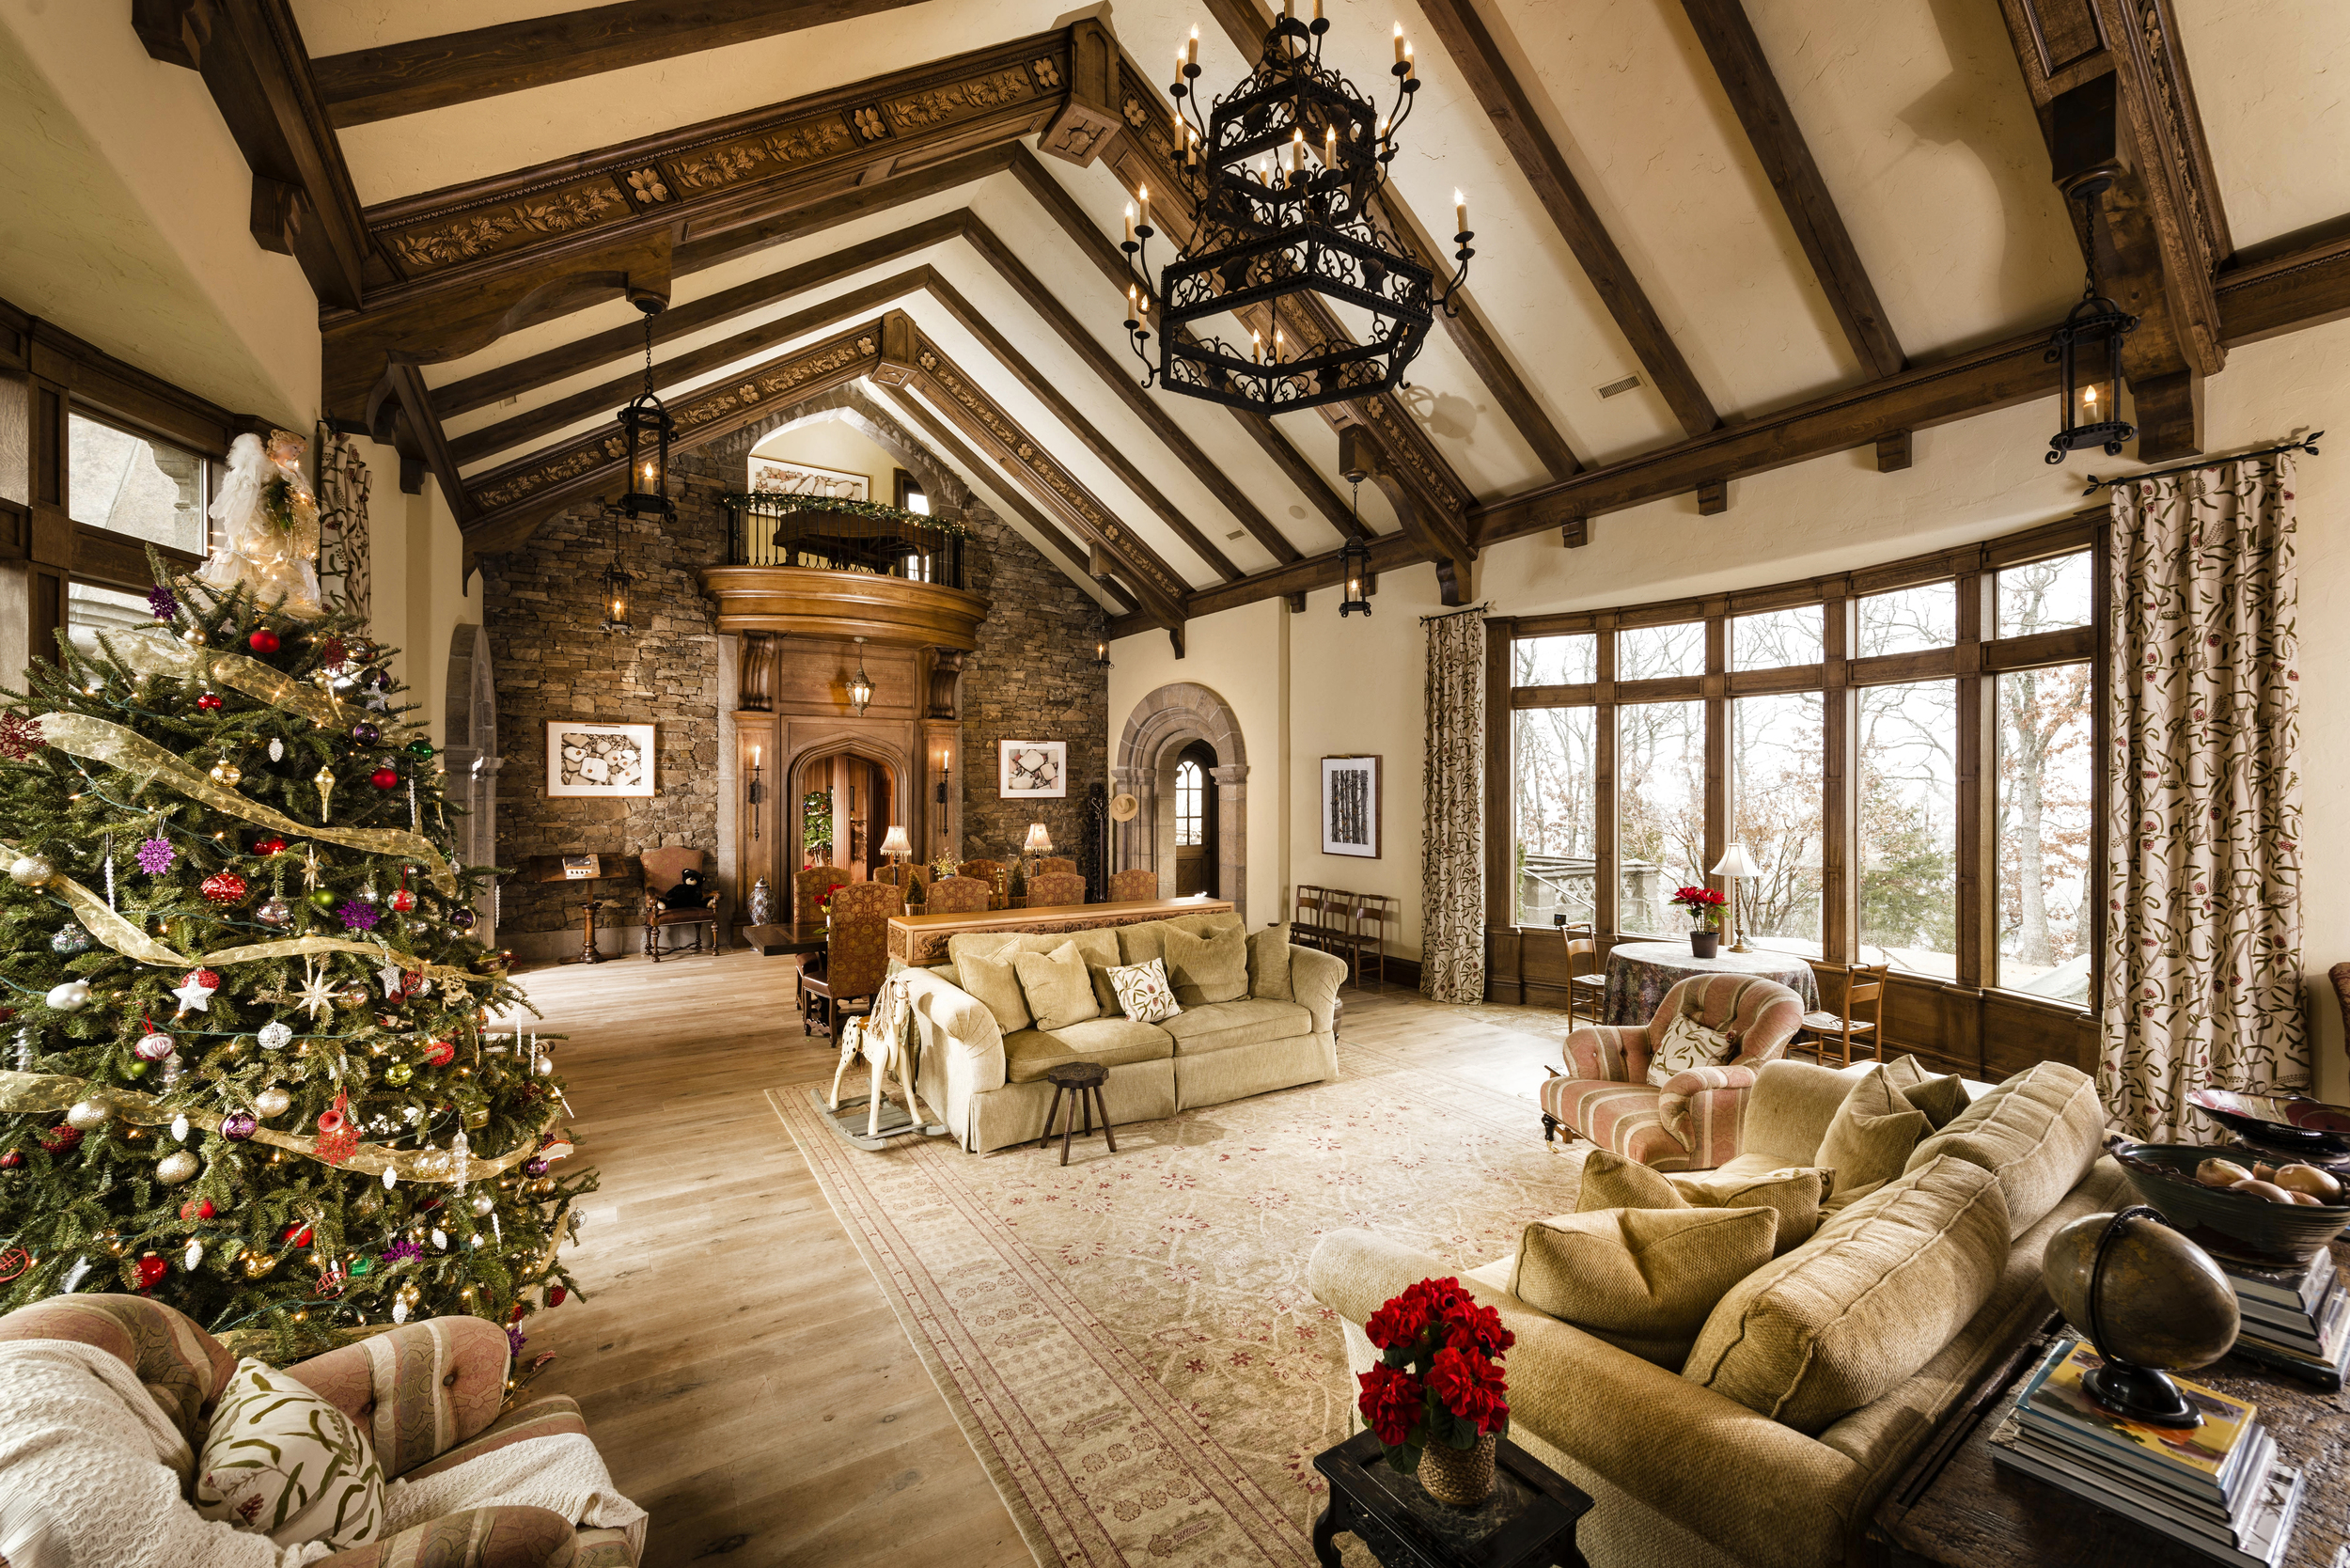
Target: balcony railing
772 529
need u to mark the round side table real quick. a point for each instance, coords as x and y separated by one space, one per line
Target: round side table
1080 1083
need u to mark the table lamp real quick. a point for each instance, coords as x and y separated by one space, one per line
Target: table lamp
1735 863
894 844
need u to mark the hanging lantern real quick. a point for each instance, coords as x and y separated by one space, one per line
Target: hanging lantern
1101 653
646 426
2087 350
860 684
1354 569
617 582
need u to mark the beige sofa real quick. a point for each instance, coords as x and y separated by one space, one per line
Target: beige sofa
1684 1477
988 1087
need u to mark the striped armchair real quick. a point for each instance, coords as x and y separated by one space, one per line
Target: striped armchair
427 1395
1691 1123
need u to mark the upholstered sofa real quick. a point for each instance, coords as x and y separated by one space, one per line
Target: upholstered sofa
988 1086
1686 1477
1690 1123
427 1395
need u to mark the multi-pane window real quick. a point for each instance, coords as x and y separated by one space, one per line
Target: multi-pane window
1776 811
134 485
1775 639
1571 661
1554 769
1909 620
2045 827
1190 799
1659 652
1908 826
1660 810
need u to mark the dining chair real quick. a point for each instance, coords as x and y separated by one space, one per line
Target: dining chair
957 895
1306 923
1586 979
1133 885
1356 931
1048 864
991 872
856 955
1055 889
1853 986
810 886
665 871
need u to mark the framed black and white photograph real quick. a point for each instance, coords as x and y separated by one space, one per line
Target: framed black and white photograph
608 761
1032 770
1350 807
801 478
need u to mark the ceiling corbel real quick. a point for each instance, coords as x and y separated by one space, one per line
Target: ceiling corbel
1362 455
1496 86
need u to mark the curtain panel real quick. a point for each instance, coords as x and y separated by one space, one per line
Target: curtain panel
1453 840
2203 831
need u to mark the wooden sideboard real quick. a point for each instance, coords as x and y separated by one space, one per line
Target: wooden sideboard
921 940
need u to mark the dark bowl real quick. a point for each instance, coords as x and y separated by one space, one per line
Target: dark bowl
2240 1225
2281 1122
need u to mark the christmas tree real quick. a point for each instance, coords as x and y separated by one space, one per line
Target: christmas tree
251 1066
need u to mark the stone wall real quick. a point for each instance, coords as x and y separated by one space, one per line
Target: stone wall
1032 677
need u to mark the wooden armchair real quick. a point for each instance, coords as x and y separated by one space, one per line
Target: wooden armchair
1587 981
664 871
1844 990
1691 1123
856 955
1134 886
990 872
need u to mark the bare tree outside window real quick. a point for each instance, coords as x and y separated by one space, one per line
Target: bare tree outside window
1776 811
2044 823
1778 639
1660 811
1554 773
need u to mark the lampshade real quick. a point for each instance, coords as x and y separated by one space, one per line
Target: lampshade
894 843
1735 861
1040 841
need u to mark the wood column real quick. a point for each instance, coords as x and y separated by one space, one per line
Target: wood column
1839 895
35 530
1719 764
1607 877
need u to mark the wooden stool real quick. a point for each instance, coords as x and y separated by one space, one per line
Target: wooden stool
1082 1082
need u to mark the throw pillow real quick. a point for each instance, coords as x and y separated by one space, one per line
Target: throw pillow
1878 1293
1940 1098
1269 966
2038 1132
1612 1182
1871 1136
1687 1044
991 978
1643 1280
1143 993
281 1462
1056 986
1207 969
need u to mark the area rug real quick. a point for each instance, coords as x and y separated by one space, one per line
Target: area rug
1128 1342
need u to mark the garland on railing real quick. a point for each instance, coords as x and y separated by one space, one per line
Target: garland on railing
777 503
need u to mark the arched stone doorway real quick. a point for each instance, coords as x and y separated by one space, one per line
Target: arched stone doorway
868 749
469 751
1161 725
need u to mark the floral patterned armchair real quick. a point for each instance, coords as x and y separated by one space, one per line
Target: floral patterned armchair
1692 1122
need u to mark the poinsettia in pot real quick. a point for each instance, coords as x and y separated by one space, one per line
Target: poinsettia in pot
1705 908
1437 1399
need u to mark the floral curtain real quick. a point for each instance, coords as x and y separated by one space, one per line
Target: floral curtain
2202 832
1453 840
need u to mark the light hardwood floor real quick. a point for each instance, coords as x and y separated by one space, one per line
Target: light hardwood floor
738 1364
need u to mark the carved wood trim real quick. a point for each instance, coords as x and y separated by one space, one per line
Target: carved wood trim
946 670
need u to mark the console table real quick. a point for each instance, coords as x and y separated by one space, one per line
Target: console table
921 940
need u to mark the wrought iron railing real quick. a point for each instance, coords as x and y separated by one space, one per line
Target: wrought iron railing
770 529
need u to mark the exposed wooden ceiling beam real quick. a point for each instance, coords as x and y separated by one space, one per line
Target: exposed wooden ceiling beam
886 194
1439 537
2281 291
1472 50
1245 22
407 78
1727 33
422 427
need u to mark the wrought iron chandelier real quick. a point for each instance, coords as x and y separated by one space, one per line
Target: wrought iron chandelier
2087 347
1279 186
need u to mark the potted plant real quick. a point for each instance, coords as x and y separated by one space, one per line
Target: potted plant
1705 908
1437 1397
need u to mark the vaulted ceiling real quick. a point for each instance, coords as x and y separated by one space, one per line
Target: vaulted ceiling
1713 237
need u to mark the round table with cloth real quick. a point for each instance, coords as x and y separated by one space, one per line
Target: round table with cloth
1639 974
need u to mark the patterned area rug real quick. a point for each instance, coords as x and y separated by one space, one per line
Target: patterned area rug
1128 1342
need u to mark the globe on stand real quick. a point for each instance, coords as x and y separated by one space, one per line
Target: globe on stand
2150 1301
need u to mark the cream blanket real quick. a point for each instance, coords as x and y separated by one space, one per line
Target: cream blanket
563 1473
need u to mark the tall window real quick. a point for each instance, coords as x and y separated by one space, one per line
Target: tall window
1554 769
1776 811
1909 823
2045 827
139 486
1660 805
1189 801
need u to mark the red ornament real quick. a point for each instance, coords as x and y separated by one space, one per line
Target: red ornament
403 900
195 1209
151 1270
331 1119
262 641
555 1295
270 845
208 979
19 737
297 1235
333 654
60 1141
12 1160
14 1262
440 1053
224 888
384 778
336 1137
208 703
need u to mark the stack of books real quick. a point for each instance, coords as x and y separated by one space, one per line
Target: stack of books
2293 1319
2217 1488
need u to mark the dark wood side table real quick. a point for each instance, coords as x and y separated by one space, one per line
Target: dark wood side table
1077 1084
1953 1509
1528 1522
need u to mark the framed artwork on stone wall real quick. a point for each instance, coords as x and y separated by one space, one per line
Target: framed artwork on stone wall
1350 807
599 762
800 479
1032 770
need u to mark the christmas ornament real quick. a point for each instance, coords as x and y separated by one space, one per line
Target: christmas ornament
19 736
384 778
367 889
391 1178
399 1072
333 652
155 856
70 939
69 997
440 1239
226 773
297 1235
379 679
150 1271
161 604
276 912
337 1137
420 748
134 1070
274 1036
225 887
357 915
440 1053
534 1168
403 900
179 1127
195 992
262 641
277 750
365 733
482 1203
30 870
259 1265
60 1141
269 846
192 1256
236 1126
461 919
208 703
477 1117
271 1101
324 779
154 1045
195 1209
12 1160
316 995
175 1168
555 1295
322 898
87 1115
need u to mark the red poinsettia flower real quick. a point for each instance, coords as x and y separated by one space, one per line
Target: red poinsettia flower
1471 1386
1478 1330
1392 1402
1399 1324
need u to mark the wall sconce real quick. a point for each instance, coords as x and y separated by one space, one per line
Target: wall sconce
755 793
861 686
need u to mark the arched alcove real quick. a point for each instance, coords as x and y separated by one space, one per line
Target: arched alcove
1161 725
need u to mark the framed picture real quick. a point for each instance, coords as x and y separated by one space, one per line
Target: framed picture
799 478
1350 807
605 762
1032 770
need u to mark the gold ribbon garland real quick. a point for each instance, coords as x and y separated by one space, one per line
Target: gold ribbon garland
51 1091
80 735
153 651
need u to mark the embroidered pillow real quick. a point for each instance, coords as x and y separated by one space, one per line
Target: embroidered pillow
1058 990
281 1462
1688 1043
1144 992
